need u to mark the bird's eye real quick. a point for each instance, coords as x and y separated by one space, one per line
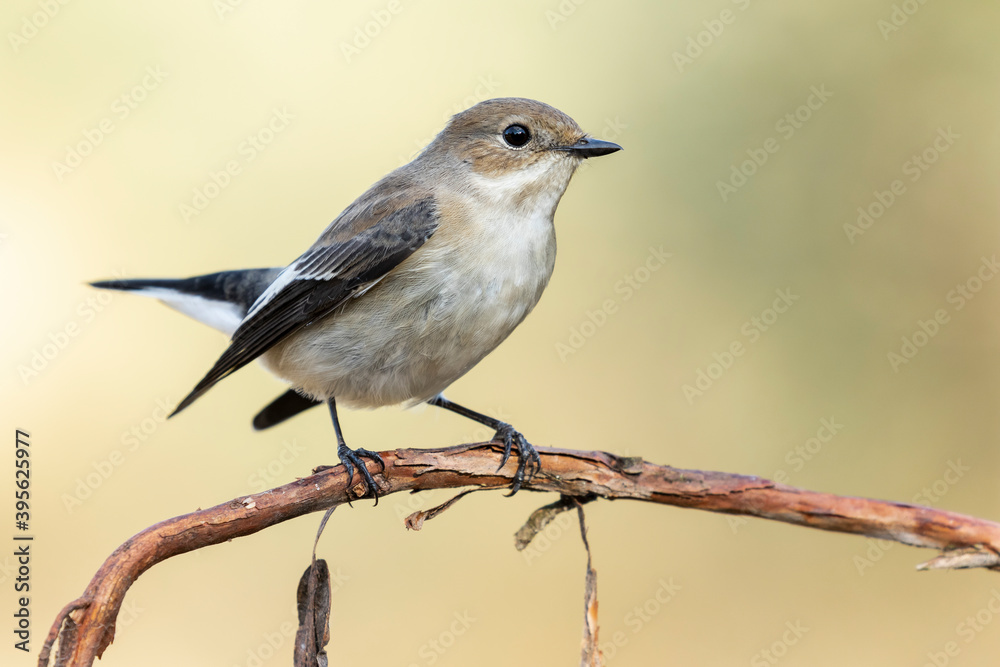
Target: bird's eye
516 135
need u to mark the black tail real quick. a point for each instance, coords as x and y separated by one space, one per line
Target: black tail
220 300
284 407
240 288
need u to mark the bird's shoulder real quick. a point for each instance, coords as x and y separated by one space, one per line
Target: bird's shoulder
377 231
392 204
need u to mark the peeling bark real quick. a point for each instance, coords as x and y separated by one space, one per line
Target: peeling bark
86 627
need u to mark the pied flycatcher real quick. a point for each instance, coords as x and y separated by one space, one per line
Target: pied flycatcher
412 285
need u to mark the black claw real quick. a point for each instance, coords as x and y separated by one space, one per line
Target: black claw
508 442
351 458
526 454
367 453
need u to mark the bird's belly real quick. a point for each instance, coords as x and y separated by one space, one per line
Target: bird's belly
414 333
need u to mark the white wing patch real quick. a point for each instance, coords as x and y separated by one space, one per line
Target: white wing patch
290 274
283 279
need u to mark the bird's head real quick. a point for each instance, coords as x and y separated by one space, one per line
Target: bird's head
514 140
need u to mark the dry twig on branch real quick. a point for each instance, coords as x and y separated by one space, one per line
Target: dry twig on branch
86 626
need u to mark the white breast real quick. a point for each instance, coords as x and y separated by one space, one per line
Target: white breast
443 310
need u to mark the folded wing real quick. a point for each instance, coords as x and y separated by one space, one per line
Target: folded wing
372 237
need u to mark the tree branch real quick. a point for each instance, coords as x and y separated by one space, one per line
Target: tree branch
86 627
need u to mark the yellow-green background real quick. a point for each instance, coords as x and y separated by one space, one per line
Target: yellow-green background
609 63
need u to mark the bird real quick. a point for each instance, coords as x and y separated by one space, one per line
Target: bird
412 285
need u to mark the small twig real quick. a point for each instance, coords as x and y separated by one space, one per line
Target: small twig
567 472
960 559
416 520
590 651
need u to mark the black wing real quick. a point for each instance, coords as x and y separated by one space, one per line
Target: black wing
368 240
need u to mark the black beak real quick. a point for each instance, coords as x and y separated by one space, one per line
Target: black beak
591 148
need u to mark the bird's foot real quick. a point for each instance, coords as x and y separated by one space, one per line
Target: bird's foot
352 459
507 436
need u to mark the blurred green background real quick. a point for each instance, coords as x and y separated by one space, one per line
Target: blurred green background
116 115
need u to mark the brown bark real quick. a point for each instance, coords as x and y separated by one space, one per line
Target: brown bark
86 626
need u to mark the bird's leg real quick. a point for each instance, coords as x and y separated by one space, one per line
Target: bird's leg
351 458
505 435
